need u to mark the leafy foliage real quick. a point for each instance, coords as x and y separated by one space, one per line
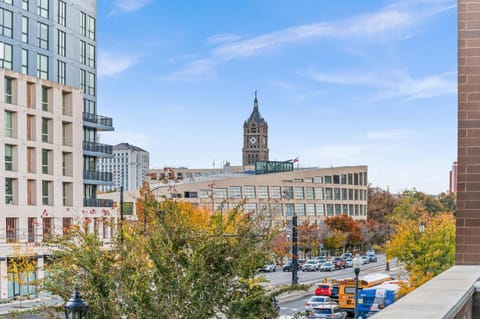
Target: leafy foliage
190 263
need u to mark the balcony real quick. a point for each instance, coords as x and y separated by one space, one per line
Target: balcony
101 123
97 177
96 202
97 149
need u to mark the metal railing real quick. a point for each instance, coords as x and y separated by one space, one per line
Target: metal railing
98 176
97 202
97 119
97 147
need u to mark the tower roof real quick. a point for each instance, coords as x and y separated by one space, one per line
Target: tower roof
256 116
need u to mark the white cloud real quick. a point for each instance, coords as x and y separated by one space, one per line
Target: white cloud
390 134
110 64
391 84
223 38
127 6
395 18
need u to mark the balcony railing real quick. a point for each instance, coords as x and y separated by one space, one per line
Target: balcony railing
103 121
98 176
97 147
96 202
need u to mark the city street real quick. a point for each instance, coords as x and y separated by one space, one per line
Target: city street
296 303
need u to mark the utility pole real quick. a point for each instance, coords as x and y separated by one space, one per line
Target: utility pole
294 251
121 214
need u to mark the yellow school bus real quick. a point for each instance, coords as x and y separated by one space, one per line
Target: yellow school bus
346 289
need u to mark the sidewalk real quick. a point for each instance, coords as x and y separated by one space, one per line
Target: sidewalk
43 300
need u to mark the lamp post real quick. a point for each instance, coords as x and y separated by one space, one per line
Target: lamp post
76 307
294 250
357 262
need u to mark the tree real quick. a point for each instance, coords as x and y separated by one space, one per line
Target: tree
380 205
426 246
21 266
309 238
347 226
335 240
280 245
191 263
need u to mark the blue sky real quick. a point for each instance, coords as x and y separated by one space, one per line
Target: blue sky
339 82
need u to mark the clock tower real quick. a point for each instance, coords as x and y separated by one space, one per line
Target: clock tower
255 137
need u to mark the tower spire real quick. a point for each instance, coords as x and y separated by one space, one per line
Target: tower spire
255 101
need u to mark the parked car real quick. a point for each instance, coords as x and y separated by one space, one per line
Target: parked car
347 255
288 266
365 259
268 268
327 266
321 259
325 311
301 262
371 257
339 262
334 292
349 262
316 301
310 265
323 290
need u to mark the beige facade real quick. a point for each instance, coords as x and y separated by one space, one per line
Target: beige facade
42 187
312 194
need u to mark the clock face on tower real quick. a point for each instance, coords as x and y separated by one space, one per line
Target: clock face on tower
253 140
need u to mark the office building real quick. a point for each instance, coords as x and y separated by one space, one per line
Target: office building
50 127
128 166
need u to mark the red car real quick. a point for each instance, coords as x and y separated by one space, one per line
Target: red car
323 290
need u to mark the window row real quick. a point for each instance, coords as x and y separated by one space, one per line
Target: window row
10 90
43 228
46 196
43 10
285 192
278 209
37 160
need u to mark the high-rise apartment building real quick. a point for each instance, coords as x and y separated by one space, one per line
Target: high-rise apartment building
129 167
49 127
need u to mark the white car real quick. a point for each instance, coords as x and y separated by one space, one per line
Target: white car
268 268
316 301
327 266
310 265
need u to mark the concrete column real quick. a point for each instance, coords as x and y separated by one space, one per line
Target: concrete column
3 279
40 267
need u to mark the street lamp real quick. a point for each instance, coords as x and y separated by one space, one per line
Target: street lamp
294 250
357 262
76 307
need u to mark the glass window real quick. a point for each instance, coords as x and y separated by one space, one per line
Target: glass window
62 39
45 103
42 8
45 160
8 83
318 179
45 129
329 210
42 35
320 209
25 5
83 52
25 29
45 192
336 193
350 179
355 179
250 207
310 209
328 193
288 192
5 56
299 192
42 66
308 180
309 193
11 224
83 24
91 84
91 28
220 192
300 209
8 124
234 192
328 179
336 179
8 157
275 192
276 209
262 191
91 56
338 209
24 61
61 72
9 190
83 80
61 12
345 209
350 194
249 191
289 209
319 193
344 179
6 23
344 194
